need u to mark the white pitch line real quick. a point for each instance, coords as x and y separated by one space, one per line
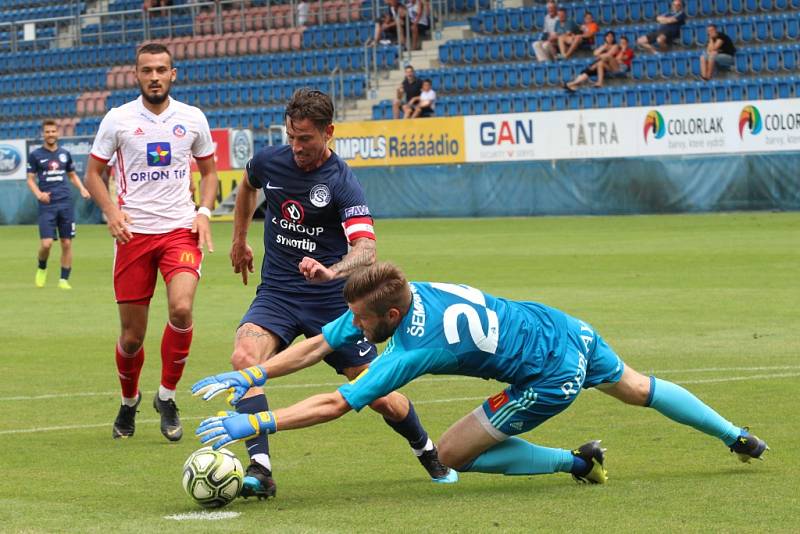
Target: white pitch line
417 402
419 381
203 516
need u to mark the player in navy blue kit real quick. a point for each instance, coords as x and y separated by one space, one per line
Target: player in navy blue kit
317 230
48 168
545 355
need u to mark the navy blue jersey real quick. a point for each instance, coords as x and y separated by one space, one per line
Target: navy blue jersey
315 214
51 168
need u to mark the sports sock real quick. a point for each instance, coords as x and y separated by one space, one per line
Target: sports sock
410 428
129 367
515 456
175 345
65 272
259 444
165 394
681 406
42 264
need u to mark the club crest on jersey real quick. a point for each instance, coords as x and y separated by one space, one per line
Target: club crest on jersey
62 158
178 130
54 166
158 154
320 195
292 210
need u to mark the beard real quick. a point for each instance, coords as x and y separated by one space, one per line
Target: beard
383 331
155 99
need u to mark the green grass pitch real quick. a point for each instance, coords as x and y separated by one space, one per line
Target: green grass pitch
708 301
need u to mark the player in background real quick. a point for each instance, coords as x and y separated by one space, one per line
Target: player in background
47 167
155 226
317 230
545 355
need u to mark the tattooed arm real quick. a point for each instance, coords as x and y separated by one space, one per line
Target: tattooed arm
362 253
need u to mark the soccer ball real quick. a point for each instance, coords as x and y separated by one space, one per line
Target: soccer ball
212 478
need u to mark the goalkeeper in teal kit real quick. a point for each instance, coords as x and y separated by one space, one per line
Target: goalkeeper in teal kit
546 357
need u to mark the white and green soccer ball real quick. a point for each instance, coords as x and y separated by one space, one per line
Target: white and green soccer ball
212 478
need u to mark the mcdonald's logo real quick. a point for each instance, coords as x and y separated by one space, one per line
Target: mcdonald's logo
497 401
187 257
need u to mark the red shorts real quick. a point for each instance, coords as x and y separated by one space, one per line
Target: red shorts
137 261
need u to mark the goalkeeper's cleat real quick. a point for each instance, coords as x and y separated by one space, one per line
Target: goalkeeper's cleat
594 455
41 277
125 423
64 284
747 446
437 470
170 422
258 482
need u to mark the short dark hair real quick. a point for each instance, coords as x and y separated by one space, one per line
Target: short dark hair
311 104
712 25
408 67
49 122
612 34
427 80
153 48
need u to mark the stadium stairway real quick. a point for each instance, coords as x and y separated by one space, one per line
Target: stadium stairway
425 59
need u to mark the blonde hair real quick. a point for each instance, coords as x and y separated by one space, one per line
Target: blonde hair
381 286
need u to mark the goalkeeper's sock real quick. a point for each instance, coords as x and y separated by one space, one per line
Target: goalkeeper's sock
411 429
258 445
683 407
65 271
42 264
515 456
175 345
129 367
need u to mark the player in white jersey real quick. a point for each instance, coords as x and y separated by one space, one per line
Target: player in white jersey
155 225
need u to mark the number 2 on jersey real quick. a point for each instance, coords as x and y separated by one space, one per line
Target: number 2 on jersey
485 342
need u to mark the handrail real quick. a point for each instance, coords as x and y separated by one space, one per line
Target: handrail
337 93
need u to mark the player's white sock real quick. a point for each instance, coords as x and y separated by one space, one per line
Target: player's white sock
263 459
428 446
165 394
129 401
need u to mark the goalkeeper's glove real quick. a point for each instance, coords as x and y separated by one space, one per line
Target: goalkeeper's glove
235 382
230 427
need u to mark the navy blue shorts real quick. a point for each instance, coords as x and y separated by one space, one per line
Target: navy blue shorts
288 315
59 217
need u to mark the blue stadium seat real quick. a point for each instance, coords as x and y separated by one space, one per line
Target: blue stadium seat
773 59
682 64
747 30
646 97
788 58
651 67
777 27
667 66
756 60
792 25
762 29
766 5
634 10
753 89
769 89
784 87
742 62
705 93
735 90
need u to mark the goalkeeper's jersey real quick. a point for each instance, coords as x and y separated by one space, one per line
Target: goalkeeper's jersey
457 330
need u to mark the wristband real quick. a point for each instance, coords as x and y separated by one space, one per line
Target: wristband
202 210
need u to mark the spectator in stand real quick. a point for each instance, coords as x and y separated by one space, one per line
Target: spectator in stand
719 52
303 10
390 28
608 49
569 42
423 105
549 37
419 14
406 91
669 29
564 25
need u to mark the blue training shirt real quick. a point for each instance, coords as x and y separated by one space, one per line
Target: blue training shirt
456 330
305 214
51 168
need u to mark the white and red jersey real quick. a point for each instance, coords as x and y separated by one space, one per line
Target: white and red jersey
154 153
